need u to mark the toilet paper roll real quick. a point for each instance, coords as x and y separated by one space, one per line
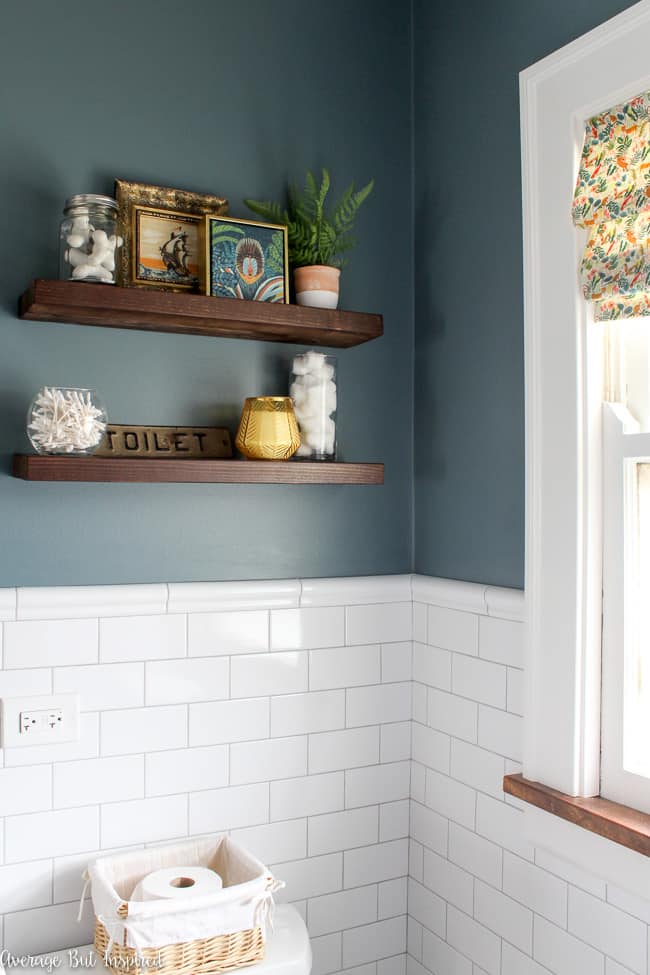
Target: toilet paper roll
177 882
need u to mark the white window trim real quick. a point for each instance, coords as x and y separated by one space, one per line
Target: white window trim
563 417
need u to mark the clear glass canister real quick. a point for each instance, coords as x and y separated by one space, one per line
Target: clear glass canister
66 420
88 239
313 391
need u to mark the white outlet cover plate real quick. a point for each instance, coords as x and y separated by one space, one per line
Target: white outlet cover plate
67 730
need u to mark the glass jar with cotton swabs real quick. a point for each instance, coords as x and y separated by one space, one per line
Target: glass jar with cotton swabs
313 390
66 420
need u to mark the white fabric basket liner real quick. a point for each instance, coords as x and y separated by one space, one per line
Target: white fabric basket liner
245 902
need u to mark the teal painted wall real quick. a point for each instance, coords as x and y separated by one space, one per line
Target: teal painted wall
469 433
215 97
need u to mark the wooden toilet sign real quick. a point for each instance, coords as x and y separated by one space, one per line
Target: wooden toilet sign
177 442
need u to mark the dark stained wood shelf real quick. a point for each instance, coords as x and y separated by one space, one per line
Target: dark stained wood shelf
33 467
78 303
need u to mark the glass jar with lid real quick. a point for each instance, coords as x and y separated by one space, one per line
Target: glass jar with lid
88 239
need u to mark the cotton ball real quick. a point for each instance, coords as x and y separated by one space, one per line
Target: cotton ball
303 451
330 444
314 437
309 380
330 429
299 365
330 397
327 371
314 361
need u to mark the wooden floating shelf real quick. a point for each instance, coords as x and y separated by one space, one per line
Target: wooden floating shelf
78 303
33 467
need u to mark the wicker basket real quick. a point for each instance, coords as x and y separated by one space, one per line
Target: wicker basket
215 933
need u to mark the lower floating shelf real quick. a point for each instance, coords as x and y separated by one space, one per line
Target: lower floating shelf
33 467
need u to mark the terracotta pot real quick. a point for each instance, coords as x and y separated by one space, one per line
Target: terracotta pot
317 286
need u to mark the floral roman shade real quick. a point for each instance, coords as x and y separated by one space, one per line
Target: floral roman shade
612 201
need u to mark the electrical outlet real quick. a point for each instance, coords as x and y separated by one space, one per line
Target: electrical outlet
47 720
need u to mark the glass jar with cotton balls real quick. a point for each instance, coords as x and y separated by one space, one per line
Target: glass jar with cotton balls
313 389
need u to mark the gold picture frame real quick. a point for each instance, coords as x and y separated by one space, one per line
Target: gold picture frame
245 259
184 207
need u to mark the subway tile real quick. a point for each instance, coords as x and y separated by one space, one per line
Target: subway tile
330 751
613 968
143 730
477 767
186 681
25 790
514 962
231 808
273 758
450 798
438 956
343 830
540 891
576 876
374 941
262 674
186 770
46 929
394 820
429 828
90 602
430 747
307 796
449 881
355 590
50 643
608 929
302 714
8 600
377 783
86 747
475 854
503 825
504 916
395 742
141 638
420 622
143 821
453 715
98 780
25 885
382 623
562 953
628 902
432 666
50 834
68 880
501 641
391 898
416 860
25 683
275 842
419 702
342 909
372 864
396 662
102 685
450 629
500 732
310 878
308 628
216 597
379 704
479 680
473 940
221 722
326 954
344 667
515 699
213 634
426 907
393 965
418 781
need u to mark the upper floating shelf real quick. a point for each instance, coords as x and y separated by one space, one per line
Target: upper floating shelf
76 302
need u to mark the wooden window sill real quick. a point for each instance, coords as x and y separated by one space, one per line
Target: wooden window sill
615 822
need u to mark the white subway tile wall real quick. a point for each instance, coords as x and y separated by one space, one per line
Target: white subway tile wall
353 738
287 723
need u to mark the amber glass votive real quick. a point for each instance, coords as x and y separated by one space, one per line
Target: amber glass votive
268 429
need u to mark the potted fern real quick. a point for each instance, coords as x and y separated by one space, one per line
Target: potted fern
318 240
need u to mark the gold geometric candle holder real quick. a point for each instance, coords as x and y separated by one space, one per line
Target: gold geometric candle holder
268 429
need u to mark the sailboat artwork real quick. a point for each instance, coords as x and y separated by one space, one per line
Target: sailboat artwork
167 248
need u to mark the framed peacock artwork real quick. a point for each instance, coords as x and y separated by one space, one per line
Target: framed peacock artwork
244 259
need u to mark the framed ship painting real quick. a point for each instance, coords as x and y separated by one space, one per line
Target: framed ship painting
244 259
162 232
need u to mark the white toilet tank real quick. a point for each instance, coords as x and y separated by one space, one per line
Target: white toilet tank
288 952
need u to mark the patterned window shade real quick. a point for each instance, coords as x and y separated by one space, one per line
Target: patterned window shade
612 201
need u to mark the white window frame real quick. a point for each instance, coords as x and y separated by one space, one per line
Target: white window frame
563 380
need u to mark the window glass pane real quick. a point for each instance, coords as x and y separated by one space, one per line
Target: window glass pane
636 746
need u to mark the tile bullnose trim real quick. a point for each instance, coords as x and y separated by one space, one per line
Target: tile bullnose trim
8 599
507 604
469 597
84 602
356 590
211 597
